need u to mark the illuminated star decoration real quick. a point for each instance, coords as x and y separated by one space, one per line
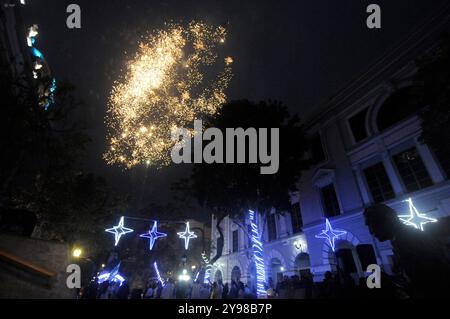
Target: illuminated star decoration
187 235
153 235
119 230
112 276
331 234
158 274
415 219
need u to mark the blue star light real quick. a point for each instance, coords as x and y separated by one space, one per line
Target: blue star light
415 219
187 235
119 230
331 234
112 276
153 235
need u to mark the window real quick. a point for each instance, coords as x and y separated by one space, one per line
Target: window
330 201
366 255
402 104
412 170
346 261
296 218
358 126
235 241
443 157
317 151
379 183
249 231
272 227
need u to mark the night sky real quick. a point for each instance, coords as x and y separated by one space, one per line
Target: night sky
299 52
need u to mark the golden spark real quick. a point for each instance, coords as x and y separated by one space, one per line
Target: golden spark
171 81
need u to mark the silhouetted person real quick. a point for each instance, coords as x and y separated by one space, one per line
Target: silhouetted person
422 257
328 286
90 291
225 291
123 291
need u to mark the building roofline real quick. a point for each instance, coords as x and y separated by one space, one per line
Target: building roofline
423 38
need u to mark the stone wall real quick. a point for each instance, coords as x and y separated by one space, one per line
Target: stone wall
17 282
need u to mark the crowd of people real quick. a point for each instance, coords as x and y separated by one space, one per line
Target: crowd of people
419 256
334 286
169 290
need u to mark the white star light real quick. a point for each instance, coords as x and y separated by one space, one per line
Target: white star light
153 235
187 235
119 230
416 219
331 234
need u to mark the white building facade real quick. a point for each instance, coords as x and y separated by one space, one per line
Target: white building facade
368 149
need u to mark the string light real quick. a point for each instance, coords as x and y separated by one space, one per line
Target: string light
205 258
158 275
170 82
207 274
187 235
258 255
416 219
331 235
119 230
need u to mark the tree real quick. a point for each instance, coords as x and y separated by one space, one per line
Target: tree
233 189
434 76
42 163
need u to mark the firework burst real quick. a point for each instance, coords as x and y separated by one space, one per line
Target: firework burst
171 81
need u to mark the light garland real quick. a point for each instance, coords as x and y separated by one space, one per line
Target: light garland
207 278
416 219
331 234
119 230
258 254
205 258
155 265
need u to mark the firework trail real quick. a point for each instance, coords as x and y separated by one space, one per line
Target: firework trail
167 85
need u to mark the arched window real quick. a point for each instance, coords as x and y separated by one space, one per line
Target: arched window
276 270
303 264
236 274
366 255
218 277
399 106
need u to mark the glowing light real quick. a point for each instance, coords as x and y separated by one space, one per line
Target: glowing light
416 219
153 235
38 54
171 81
331 234
77 253
205 258
258 255
119 230
207 274
32 33
187 235
112 276
184 276
155 265
229 60
196 276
